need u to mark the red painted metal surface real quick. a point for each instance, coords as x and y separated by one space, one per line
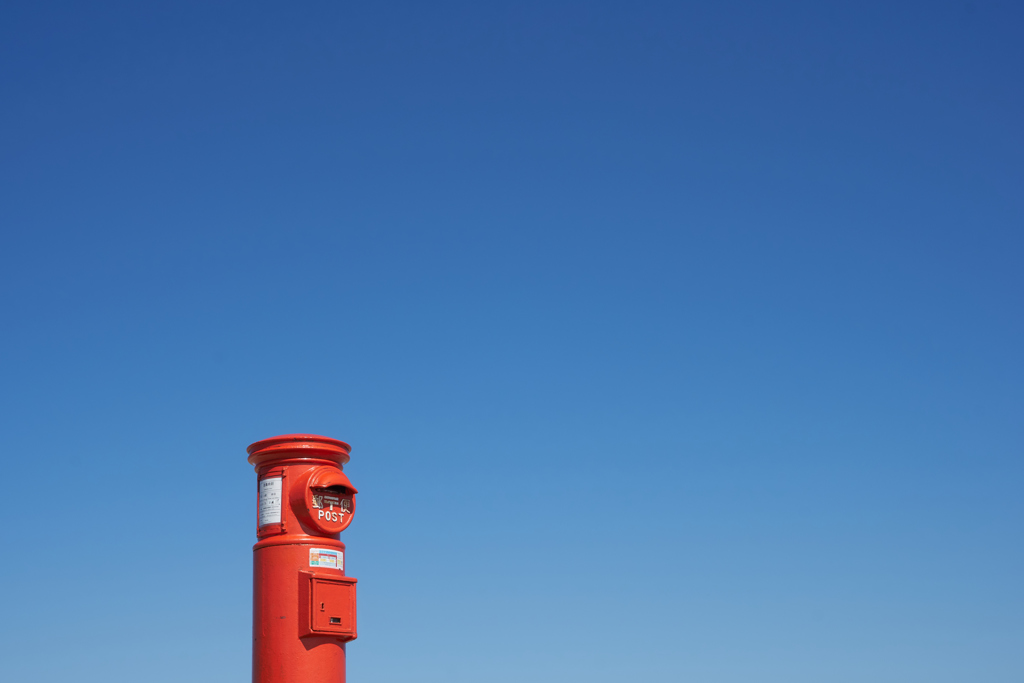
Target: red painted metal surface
304 607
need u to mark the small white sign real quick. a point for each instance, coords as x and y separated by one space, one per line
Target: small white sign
270 501
322 557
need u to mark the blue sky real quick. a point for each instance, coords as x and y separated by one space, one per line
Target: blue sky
674 341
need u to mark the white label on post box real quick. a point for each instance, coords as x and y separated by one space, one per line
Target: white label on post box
270 501
322 557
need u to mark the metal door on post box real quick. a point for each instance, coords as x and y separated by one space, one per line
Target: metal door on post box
330 606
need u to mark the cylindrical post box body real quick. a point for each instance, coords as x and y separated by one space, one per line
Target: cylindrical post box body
304 606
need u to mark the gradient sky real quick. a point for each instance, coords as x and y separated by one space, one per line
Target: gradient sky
674 341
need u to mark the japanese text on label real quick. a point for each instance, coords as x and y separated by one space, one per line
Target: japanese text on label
270 501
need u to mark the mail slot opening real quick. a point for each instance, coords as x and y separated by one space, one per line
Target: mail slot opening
332 498
335 620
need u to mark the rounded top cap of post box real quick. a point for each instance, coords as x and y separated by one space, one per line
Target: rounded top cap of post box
298 446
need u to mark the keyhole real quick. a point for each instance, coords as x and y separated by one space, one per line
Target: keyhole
321 607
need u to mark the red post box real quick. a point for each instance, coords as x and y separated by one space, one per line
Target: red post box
303 605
